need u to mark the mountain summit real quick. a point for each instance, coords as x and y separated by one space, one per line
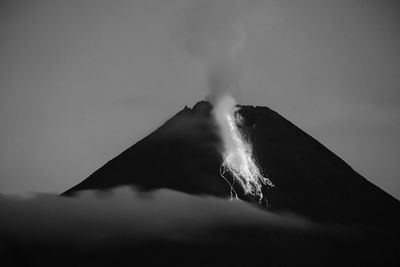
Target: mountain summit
184 155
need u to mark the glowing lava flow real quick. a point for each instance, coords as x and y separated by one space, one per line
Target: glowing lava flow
237 154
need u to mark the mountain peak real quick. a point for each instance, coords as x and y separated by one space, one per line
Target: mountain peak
203 106
184 155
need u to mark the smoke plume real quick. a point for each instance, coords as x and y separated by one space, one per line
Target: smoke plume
215 33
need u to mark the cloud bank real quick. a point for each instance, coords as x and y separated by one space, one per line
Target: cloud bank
125 226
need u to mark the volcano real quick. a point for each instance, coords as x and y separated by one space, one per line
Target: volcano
310 180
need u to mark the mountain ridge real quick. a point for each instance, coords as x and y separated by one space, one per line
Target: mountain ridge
184 154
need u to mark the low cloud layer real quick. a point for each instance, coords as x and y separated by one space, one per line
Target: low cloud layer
162 214
125 226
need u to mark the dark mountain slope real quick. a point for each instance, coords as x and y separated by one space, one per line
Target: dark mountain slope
310 180
182 154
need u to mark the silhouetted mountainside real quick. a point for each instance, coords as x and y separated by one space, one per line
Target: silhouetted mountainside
183 154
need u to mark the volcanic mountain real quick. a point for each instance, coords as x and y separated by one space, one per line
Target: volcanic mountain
184 155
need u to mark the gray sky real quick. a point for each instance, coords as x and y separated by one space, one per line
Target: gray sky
80 81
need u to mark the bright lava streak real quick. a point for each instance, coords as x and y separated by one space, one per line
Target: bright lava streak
237 155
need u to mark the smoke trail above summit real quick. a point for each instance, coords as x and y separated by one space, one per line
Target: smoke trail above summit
214 33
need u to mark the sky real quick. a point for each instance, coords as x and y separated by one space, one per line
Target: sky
81 81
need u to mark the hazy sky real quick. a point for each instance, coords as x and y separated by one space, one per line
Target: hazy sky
80 81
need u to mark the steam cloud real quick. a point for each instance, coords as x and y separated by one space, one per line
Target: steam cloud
214 32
